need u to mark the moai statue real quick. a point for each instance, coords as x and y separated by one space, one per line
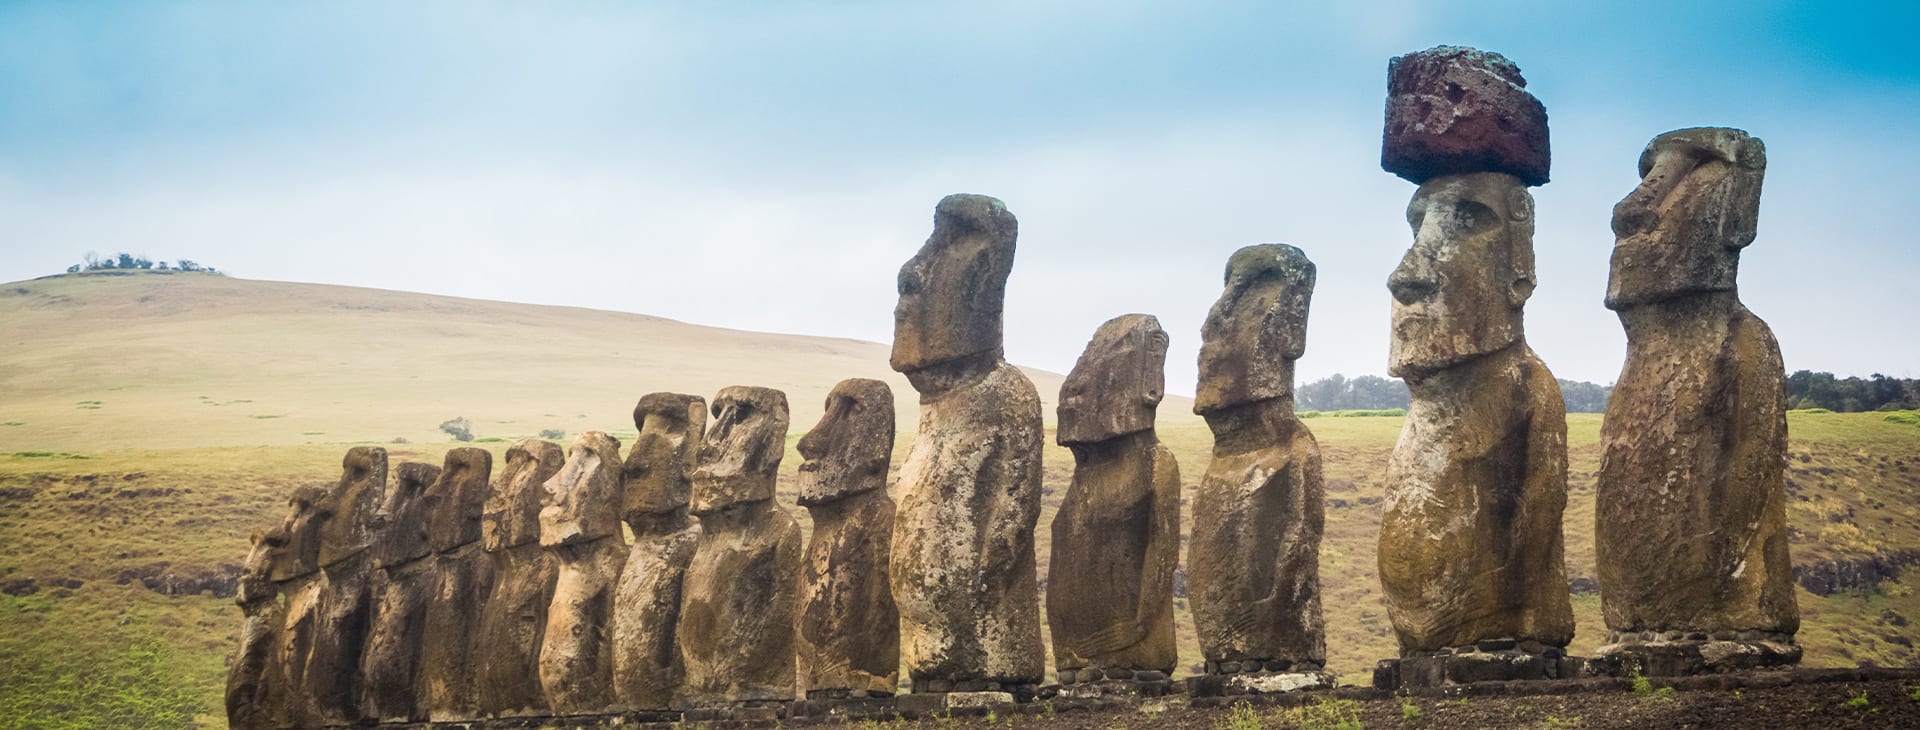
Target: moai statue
1470 543
849 640
737 610
1690 524
295 571
351 523
506 660
456 502
646 606
393 688
1116 538
253 674
581 526
1253 568
963 567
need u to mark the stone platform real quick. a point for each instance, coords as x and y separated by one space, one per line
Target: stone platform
1098 683
1489 661
1679 653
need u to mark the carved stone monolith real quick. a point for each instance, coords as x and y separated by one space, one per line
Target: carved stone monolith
393 688
1470 549
849 631
1116 538
351 525
581 526
963 568
647 670
295 571
506 659
456 503
737 612
253 674
1454 110
1253 572
1690 520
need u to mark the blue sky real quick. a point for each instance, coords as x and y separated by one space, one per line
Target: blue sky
769 166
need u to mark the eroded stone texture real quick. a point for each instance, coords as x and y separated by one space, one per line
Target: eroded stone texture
455 504
849 632
253 676
1470 543
737 614
351 524
1253 567
1454 110
1690 522
581 526
646 607
403 585
507 648
295 570
1116 538
963 566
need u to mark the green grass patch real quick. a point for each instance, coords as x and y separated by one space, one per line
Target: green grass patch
265 416
490 440
47 455
1910 418
1805 411
13 423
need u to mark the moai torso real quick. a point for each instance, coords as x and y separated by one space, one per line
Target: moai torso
506 660
253 674
1690 524
647 670
403 585
295 571
351 527
737 611
963 567
1253 566
456 503
581 526
1116 538
849 636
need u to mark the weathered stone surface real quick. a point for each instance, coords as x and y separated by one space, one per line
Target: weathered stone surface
963 566
507 648
253 690
351 524
1253 571
1453 110
456 502
647 669
737 614
403 585
1116 538
296 573
1470 543
580 525
849 631
1690 520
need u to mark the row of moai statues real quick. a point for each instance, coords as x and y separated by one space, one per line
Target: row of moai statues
447 598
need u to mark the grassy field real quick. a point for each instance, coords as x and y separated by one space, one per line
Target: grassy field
113 467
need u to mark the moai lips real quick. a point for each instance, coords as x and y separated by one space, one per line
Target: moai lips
1454 110
581 526
647 668
514 620
849 638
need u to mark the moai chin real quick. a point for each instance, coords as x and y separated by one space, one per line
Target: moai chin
1690 522
294 568
963 568
580 525
351 523
1470 543
849 637
1253 572
646 607
253 674
737 611
456 506
1116 538
513 622
404 582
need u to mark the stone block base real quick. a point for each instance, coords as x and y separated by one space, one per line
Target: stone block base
1095 683
748 711
1257 683
1678 654
1497 661
1021 691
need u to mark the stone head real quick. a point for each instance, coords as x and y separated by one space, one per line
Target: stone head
849 450
256 574
405 538
1681 231
512 513
1256 329
295 544
583 498
352 510
952 291
458 498
1459 292
740 457
659 468
1116 386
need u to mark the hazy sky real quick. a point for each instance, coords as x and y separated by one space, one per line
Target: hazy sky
769 166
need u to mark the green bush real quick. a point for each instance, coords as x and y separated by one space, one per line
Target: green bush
458 427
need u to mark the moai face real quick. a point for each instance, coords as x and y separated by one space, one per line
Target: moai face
1256 329
1459 291
1681 231
296 542
512 513
1116 386
458 498
353 518
740 458
406 535
583 499
952 291
849 450
659 468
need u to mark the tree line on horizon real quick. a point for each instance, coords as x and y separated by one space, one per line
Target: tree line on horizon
1852 394
1337 392
124 261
